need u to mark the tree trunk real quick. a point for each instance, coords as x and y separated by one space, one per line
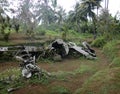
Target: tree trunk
94 32
107 3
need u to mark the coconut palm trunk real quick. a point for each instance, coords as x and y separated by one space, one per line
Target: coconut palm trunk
107 3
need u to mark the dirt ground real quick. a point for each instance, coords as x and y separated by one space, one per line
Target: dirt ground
72 83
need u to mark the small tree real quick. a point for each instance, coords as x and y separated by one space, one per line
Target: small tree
108 26
5 25
65 31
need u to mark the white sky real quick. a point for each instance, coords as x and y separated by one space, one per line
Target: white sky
114 5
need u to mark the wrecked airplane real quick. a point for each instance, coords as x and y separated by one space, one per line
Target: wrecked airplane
29 54
62 48
58 47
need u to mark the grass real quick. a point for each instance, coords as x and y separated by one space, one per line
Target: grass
86 69
103 82
115 62
10 78
14 73
99 42
35 80
83 69
71 35
59 90
111 49
3 43
53 33
60 76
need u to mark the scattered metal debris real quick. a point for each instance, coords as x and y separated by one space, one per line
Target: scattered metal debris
12 89
28 66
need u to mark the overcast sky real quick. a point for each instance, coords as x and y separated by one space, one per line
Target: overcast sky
114 5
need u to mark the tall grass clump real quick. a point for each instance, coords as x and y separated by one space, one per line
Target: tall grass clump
99 42
112 50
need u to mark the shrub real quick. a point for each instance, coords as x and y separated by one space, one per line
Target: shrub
42 32
6 56
99 42
6 36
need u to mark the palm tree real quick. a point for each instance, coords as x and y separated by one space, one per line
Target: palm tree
76 17
106 4
54 4
98 5
87 9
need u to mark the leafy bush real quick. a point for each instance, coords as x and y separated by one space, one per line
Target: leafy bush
99 42
41 32
6 56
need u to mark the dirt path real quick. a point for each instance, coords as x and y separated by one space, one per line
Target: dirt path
72 64
72 82
8 65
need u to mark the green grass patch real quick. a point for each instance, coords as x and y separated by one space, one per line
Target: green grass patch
83 69
59 90
115 62
35 80
61 75
3 43
103 82
86 69
53 33
10 78
15 73
71 35
110 49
